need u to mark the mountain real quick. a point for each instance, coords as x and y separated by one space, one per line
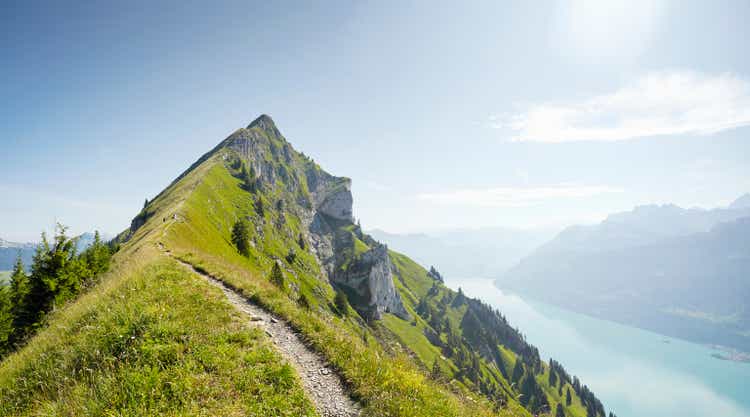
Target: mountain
9 252
742 202
680 272
467 253
244 265
84 240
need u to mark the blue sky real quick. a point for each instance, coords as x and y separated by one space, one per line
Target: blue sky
445 116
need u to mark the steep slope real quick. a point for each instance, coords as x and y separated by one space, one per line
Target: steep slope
675 271
407 346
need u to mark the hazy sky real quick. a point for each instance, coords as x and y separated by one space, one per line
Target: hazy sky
444 115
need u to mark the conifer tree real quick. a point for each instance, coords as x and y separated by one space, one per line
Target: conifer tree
259 208
6 319
241 237
436 372
19 286
568 399
552 378
559 412
277 277
52 279
517 371
341 303
249 182
98 255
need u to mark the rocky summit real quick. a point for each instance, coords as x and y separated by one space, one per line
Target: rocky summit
362 269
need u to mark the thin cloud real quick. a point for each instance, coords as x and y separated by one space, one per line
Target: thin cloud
515 196
658 104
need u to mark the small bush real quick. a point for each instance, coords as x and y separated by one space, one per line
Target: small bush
277 277
341 303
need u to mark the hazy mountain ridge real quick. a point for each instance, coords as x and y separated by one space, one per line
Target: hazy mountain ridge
9 252
681 272
467 253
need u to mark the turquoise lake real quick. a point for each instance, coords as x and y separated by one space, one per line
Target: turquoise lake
635 373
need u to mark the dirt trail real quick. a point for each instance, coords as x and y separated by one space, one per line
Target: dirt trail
322 385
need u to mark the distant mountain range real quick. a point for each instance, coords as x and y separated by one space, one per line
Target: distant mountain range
680 272
9 252
468 253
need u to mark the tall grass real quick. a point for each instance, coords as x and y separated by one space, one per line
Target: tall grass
153 339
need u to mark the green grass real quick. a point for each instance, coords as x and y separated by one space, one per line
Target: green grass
386 383
153 339
5 277
185 351
412 337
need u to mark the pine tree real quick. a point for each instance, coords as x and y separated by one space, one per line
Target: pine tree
259 208
240 237
552 378
249 181
6 319
568 399
145 203
341 303
301 241
19 285
559 412
437 373
98 255
277 277
517 371
55 277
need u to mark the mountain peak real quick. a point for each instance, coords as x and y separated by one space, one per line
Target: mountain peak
263 121
742 201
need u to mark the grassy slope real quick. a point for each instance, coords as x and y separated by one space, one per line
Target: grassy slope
152 339
387 383
414 283
5 277
206 360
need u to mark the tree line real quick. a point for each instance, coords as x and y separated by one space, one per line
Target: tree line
57 274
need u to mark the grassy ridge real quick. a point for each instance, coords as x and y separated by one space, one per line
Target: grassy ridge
387 384
153 339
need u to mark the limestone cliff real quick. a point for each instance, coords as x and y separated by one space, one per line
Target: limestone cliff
368 281
324 203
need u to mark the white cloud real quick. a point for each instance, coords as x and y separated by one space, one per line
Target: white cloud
664 103
514 196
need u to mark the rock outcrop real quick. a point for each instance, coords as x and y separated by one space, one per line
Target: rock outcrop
338 202
368 282
325 207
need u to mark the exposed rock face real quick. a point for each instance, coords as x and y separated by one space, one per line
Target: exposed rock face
338 204
368 281
326 211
